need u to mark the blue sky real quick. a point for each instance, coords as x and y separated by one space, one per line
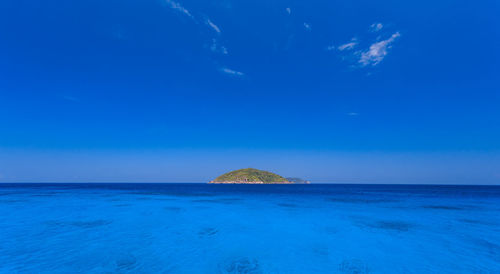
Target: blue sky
334 91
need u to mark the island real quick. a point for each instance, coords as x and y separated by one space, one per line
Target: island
298 180
250 176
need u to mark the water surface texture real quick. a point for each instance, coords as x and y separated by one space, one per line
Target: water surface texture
199 228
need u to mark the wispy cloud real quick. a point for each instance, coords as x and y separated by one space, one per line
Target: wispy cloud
217 47
376 27
377 51
347 46
307 26
212 25
178 7
288 10
352 113
365 55
214 45
231 71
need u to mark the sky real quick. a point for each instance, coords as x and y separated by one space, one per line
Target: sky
182 91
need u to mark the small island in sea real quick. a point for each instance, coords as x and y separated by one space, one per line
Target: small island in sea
298 180
250 176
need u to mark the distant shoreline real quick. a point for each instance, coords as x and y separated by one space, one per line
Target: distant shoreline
251 183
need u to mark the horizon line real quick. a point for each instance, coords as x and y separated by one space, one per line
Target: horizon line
312 183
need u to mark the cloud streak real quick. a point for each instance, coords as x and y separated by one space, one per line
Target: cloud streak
377 51
212 26
231 72
347 46
376 27
178 7
216 47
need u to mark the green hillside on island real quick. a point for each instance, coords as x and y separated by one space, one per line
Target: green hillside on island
250 176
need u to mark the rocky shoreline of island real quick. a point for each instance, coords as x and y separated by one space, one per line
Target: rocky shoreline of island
249 183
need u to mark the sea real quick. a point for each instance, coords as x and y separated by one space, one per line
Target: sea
205 228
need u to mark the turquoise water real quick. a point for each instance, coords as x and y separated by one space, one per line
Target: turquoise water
199 228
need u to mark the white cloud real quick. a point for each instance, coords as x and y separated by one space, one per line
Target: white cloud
377 51
353 113
231 72
213 26
307 26
217 48
376 27
347 46
176 6
288 10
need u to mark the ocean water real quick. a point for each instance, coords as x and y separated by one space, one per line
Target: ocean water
200 228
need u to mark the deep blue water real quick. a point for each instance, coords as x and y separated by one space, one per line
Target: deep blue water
200 228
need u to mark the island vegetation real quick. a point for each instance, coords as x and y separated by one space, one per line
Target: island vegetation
250 176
